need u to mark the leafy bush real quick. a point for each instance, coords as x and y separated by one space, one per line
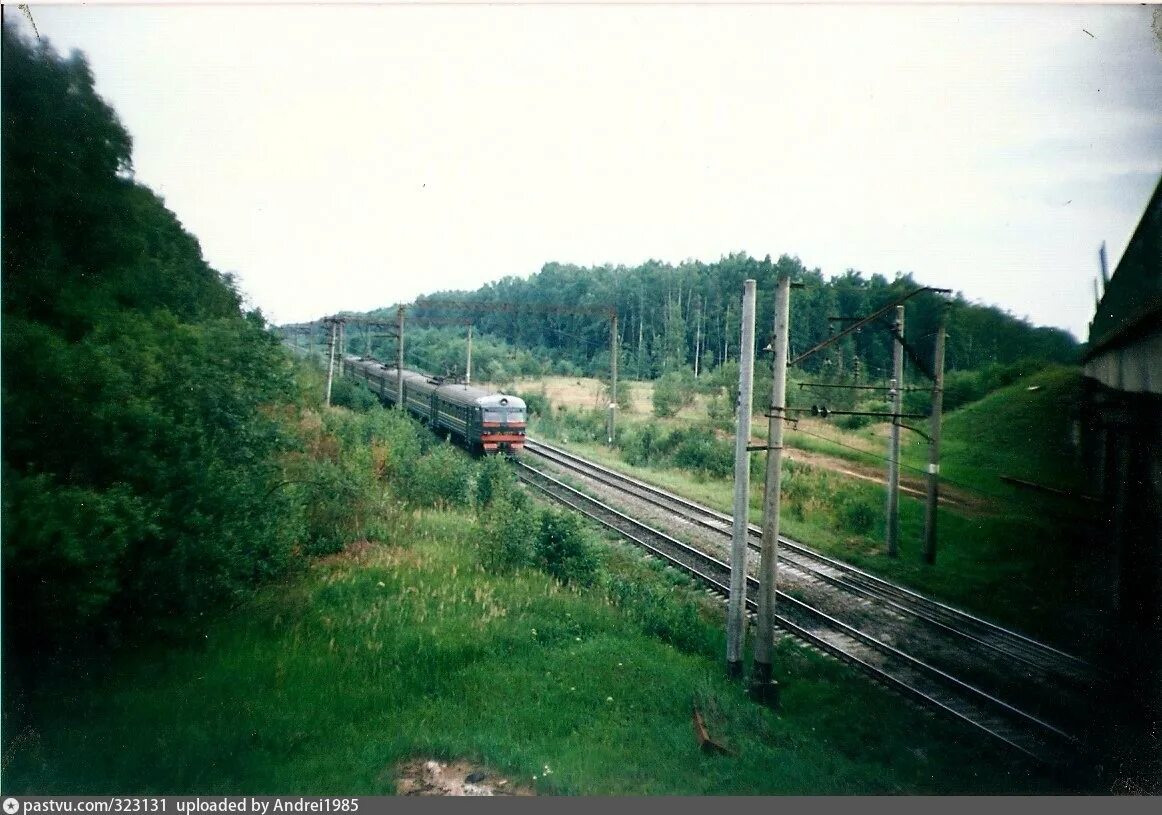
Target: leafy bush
175 420
393 439
441 477
331 500
496 372
638 444
346 473
562 548
514 535
495 481
719 411
508 533
68 545
538 404
858 515
877 405
696 448
625 397
625 394
148 421
703 453
962 387
761 389
346 392
724 378
673 392
573 425
758 466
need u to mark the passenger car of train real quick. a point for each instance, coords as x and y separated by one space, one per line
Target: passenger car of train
482 421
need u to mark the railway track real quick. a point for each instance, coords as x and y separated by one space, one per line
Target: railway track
1049 662
1026 732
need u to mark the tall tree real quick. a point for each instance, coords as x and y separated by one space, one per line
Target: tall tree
140 447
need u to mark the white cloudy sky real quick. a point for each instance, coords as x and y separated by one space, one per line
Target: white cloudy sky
351 157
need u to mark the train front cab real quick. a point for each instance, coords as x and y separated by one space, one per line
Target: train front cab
502 423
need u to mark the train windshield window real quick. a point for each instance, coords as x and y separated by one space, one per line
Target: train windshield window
492 416
516 415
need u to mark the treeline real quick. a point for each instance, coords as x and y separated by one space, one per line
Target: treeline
687 317
160 452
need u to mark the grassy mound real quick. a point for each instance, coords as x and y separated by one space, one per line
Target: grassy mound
1023 430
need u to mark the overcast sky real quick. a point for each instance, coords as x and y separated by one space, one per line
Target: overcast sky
353 157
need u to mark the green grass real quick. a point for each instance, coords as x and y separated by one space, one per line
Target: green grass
323 684
1012 431
1018 570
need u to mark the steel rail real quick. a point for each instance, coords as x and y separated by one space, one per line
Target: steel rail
1013 644
602 513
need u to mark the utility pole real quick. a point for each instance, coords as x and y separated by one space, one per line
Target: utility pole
613 377
331 362
399 362
468 367
763 686
736 610
934 442
342 345
897 392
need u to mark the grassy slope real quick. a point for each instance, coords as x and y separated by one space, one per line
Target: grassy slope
1013 431
1037 542
1022 560
323 684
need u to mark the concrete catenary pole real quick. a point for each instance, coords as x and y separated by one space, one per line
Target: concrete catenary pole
763 685
736 610
612 377
893 511
331 362
342 344
934 442
399 361
468 366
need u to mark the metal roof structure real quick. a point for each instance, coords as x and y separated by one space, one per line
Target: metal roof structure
1125 336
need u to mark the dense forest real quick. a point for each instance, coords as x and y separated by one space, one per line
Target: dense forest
153 465
687 317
